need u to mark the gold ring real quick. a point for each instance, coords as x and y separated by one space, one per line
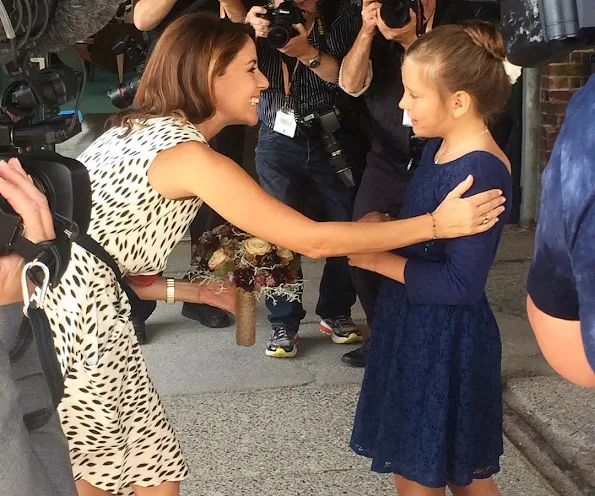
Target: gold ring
486 219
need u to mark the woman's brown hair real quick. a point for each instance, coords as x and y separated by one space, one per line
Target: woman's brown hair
178 78
466 57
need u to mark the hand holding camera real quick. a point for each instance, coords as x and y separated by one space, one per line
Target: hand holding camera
298 46
256 18
278 24
404 35
370 15
18 190
397 20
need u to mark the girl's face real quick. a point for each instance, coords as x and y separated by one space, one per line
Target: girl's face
237 91
428 113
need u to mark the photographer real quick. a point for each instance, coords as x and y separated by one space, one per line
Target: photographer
561 281
37 461
291 160
372 68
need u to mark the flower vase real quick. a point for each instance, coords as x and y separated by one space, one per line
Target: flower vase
245 318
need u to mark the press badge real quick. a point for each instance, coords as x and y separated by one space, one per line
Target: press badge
406 119
285 123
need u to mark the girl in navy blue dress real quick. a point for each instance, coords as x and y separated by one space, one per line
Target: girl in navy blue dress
430 409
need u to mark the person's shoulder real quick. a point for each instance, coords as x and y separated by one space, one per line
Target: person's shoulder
488 170
579 122
574 152
488 163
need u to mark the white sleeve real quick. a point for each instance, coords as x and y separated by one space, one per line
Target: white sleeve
367 81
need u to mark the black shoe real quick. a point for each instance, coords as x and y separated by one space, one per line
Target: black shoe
140 330
206 314
356 358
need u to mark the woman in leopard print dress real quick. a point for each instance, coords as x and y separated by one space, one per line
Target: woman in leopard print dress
150 174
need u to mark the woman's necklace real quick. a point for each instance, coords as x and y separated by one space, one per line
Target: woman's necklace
438 159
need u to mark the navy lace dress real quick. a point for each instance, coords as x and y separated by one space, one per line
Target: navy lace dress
430 408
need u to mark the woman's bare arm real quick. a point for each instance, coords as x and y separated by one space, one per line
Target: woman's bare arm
193 169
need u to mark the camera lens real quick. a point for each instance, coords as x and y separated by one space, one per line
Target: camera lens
122 95
338 159
279 36
395 14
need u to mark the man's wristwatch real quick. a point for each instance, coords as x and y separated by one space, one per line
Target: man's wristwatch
315 62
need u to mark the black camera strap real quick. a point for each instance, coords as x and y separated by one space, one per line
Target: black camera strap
88 243
286 60
35 327
421 26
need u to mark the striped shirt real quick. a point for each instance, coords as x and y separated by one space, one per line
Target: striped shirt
308 91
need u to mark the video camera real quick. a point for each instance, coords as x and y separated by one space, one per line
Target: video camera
30 138
282 19
538 31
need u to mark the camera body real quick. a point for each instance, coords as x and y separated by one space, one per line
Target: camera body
66 185
122 95
282 19
395 13
326 124
64 182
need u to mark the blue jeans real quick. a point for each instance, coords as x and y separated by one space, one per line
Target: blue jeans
292 170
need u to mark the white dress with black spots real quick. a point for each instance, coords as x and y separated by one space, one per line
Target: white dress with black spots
116 426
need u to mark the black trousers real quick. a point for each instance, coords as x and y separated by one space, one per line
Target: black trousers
382 189
229 142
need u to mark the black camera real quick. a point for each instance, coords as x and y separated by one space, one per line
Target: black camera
282 19
395 13
135 55
326 125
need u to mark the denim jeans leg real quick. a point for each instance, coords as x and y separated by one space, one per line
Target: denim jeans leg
279 164
337 294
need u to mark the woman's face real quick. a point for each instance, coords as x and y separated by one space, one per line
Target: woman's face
422 102
237 91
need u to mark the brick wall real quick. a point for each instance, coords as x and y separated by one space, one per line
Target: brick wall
559 81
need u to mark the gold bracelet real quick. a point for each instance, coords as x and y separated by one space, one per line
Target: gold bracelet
170 295
431 214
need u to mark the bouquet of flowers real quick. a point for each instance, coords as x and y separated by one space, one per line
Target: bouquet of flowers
228 254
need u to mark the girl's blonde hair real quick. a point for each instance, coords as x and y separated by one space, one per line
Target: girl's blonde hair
466 57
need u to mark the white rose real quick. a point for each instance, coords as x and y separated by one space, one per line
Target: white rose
217 259
284 253
257 246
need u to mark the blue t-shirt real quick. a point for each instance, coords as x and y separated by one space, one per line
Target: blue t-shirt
561 280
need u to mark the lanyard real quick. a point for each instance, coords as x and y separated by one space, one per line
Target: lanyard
288 81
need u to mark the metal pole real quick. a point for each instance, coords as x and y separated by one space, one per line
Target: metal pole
530 177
